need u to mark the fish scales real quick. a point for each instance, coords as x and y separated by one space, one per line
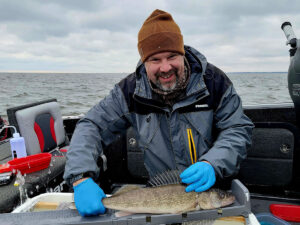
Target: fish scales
167 196
170 198
162 199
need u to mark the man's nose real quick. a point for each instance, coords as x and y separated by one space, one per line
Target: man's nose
165 66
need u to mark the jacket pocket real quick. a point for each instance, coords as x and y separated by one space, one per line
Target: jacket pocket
147 127
198 132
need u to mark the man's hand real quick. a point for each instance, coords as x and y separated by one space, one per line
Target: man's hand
88 197
200 177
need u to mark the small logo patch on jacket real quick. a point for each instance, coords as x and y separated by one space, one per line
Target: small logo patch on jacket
201 106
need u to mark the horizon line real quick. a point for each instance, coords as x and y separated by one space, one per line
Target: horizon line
129 72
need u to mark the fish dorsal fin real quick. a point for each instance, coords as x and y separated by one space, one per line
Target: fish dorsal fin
126 188
165 178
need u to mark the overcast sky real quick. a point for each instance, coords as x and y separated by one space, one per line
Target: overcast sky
100 36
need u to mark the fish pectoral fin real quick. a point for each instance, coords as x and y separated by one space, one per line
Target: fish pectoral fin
127 188
123 213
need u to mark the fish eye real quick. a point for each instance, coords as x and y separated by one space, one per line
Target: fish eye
222 195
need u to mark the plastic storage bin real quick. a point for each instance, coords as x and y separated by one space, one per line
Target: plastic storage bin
269 219
31 163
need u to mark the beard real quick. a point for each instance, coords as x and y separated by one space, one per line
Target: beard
179 80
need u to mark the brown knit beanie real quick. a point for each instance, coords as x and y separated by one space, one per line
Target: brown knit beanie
159 33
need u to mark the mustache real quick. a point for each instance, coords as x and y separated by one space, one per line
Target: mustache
163 74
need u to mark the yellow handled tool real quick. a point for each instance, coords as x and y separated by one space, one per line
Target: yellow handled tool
192 147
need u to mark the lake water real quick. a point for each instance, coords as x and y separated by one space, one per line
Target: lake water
77 93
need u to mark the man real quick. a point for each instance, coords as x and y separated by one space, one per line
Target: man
185 110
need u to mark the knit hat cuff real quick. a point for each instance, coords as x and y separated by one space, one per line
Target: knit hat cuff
161 42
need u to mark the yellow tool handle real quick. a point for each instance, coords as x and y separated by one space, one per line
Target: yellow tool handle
192 148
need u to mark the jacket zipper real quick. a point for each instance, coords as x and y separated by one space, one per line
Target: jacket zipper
167 114
169 126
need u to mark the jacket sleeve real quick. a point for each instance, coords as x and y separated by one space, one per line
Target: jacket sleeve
95 131
234 135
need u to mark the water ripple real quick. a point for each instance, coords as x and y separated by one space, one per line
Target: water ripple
77 93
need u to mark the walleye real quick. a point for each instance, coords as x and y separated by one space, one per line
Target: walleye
166 197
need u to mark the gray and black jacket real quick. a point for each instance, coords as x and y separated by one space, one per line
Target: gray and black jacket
210 109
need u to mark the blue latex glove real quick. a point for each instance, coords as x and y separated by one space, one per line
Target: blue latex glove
88 198
200 177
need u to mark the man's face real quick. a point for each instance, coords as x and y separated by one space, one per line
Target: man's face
166 70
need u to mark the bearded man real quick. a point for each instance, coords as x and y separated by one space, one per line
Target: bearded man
185 111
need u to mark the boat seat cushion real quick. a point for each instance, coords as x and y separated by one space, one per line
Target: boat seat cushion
42 127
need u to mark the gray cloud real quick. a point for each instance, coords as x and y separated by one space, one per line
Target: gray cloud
101 36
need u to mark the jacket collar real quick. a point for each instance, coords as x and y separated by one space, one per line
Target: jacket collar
197 63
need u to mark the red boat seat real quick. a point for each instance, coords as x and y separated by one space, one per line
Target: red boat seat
41 125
